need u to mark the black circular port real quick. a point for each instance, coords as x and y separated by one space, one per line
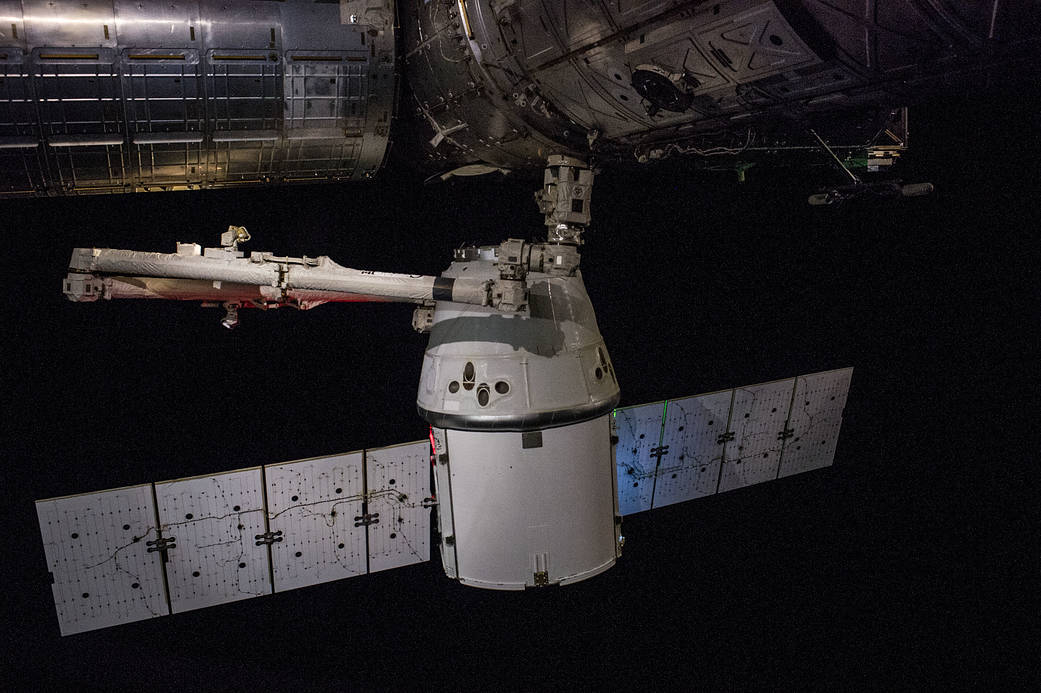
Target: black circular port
189 516
339 490
126 526
453 386
776 40
502 387
661 91
195 573
482 395
295 498
237 508
339 546
298 554
242 565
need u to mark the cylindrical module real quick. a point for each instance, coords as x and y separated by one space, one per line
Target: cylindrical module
520 407
107 97
526 509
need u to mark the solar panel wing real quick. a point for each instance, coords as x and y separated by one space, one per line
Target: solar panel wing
99 550
215 520
398 480
693 441
314 503
639 433
757 421
815 420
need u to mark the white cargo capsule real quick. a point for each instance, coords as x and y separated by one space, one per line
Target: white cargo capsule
520 409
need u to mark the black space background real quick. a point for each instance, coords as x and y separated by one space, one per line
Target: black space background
907 564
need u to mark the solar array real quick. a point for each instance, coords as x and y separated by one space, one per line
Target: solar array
677 450
140 552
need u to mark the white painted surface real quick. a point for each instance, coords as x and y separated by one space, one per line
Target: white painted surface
518 511
398 480
313 503
96 550
215 520
443 493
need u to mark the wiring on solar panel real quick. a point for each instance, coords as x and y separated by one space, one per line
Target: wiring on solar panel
395 499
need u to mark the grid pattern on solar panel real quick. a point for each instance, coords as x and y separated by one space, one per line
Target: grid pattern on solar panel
314 503
815 420
726 440
757 419
96 545
639 432
398 478
693 438
214 520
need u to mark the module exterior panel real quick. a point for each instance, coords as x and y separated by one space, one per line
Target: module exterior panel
313 504
97 552
398 480
815 420
639 432
693 436
443 493
532 508
215 520
757 420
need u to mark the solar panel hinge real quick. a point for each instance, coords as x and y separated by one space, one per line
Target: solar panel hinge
162 545
725 438
541 578
785 434
429 502
443 458
660 451
268 537
366 519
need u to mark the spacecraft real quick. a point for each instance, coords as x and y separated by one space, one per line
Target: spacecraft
533 464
